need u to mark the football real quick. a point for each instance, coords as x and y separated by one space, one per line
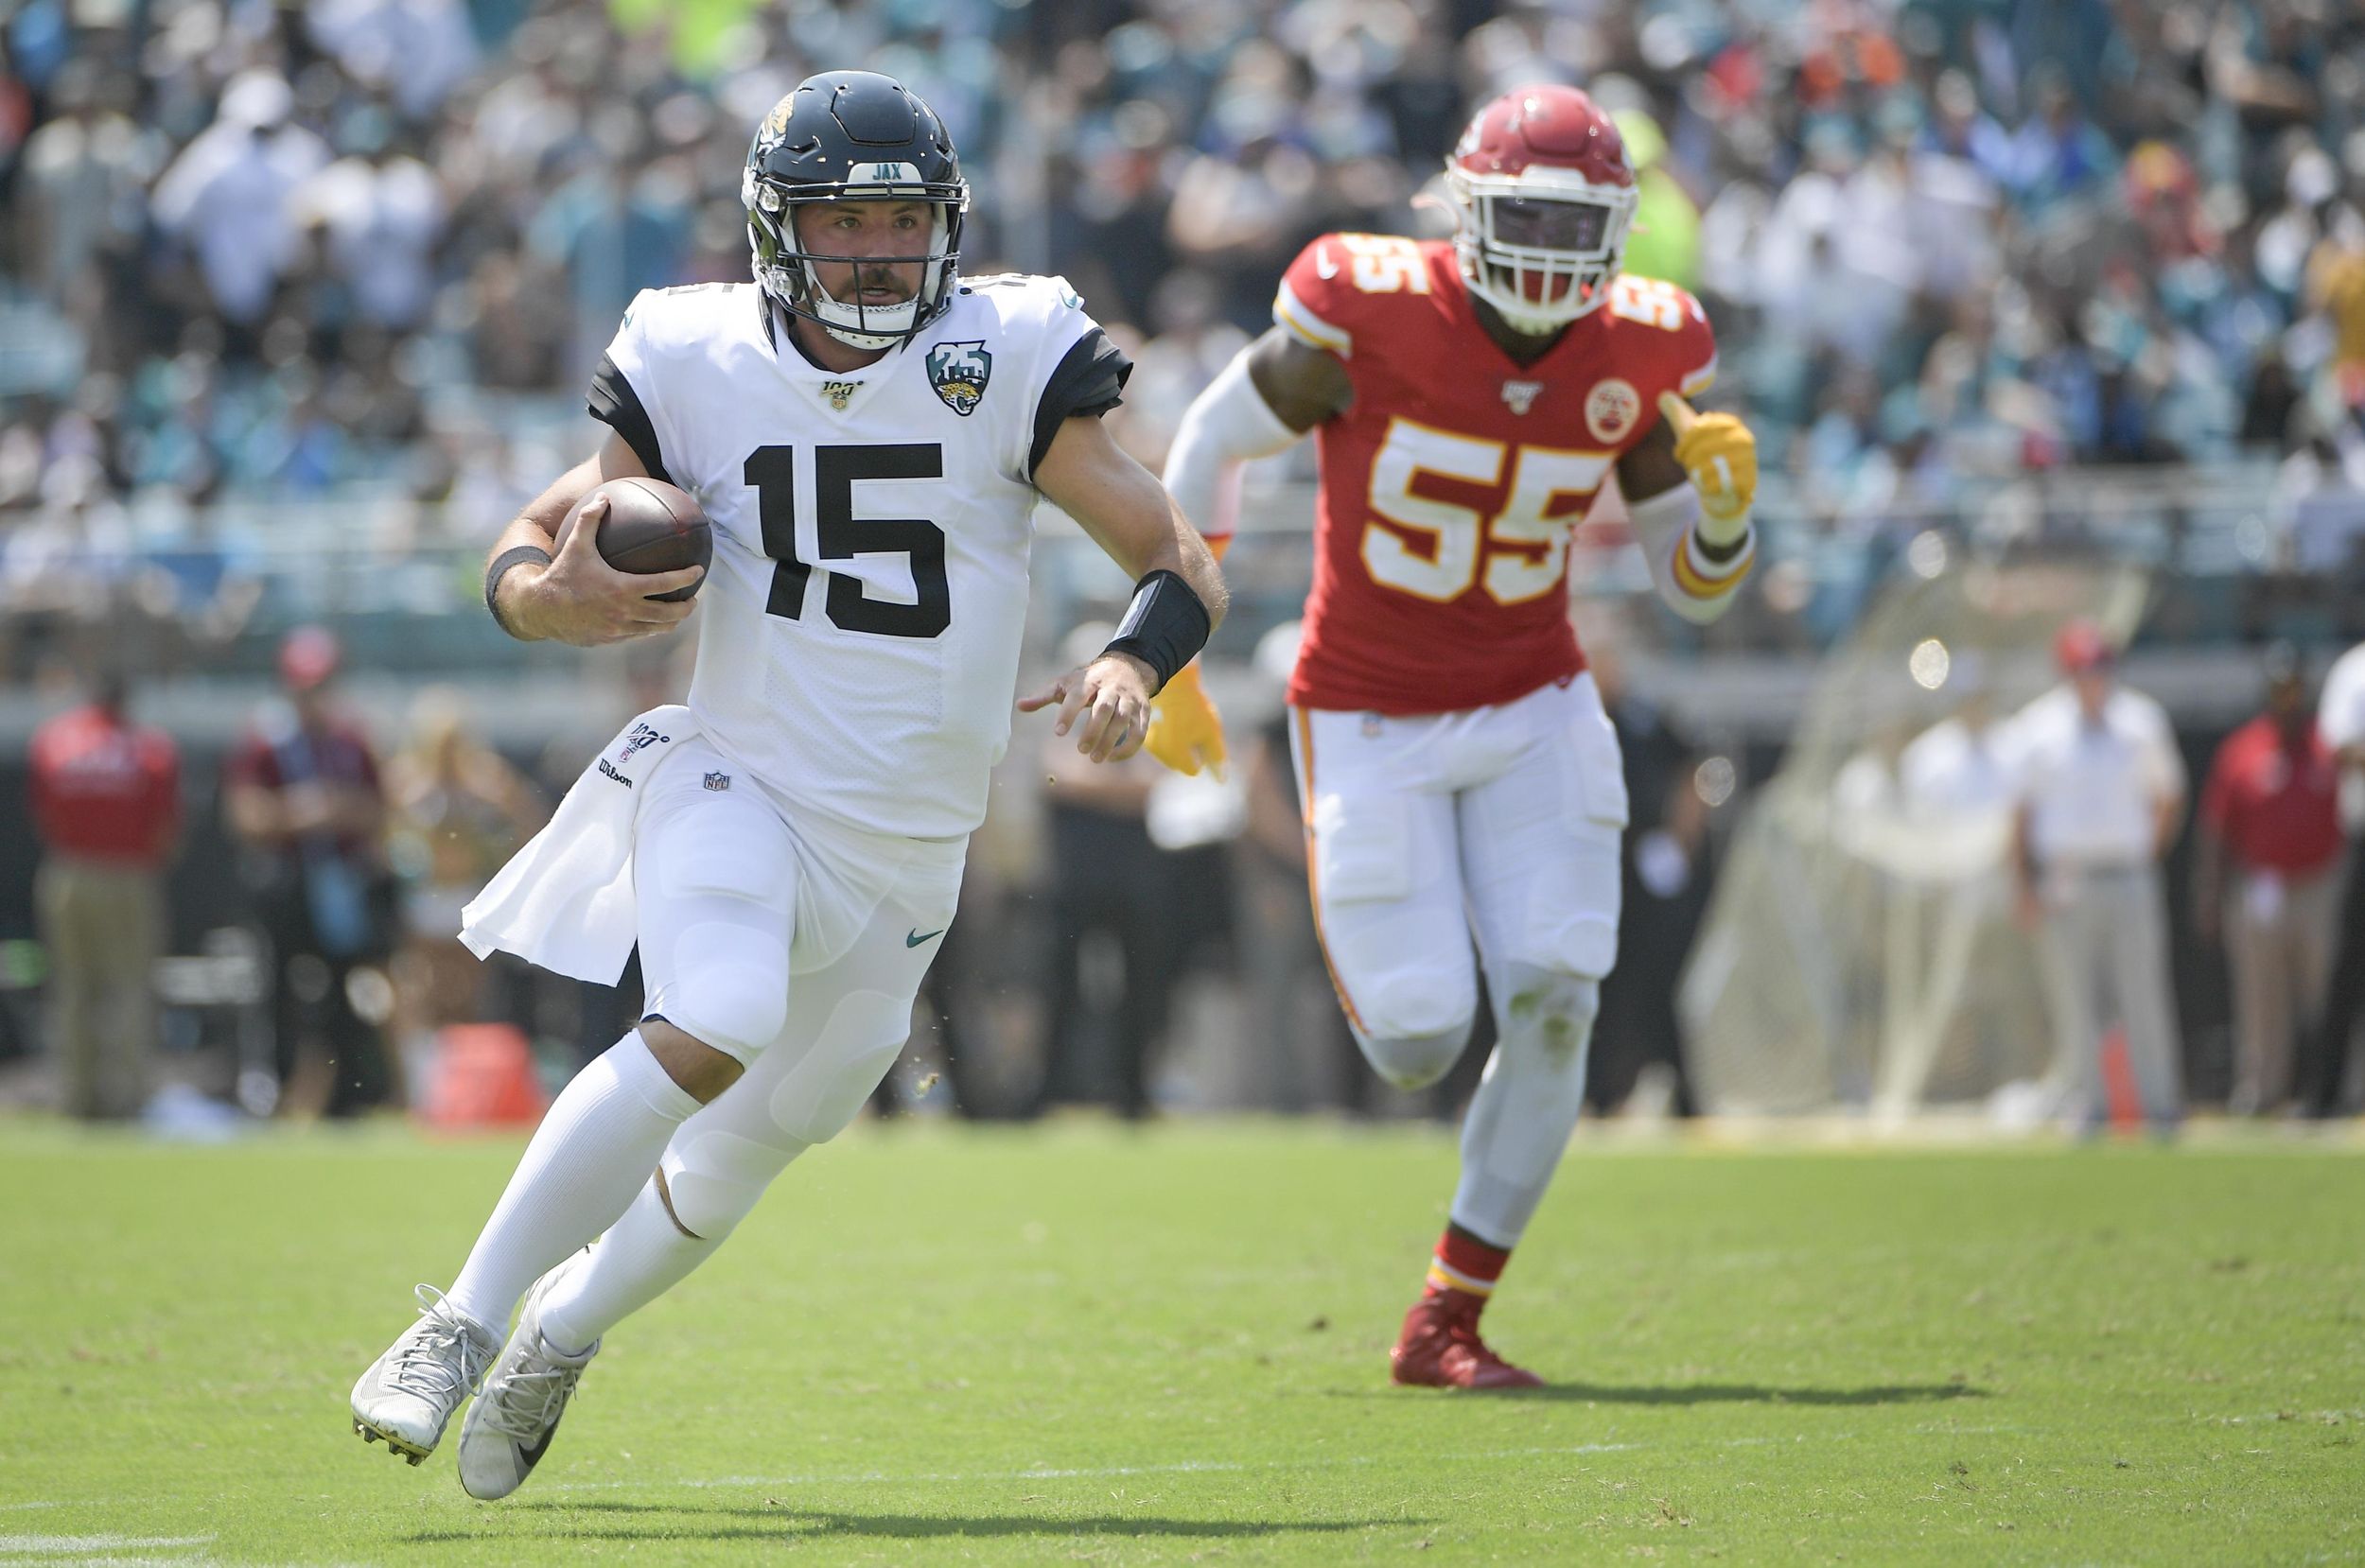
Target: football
650 527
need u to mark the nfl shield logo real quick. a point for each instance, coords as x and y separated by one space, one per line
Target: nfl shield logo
718 781
959 373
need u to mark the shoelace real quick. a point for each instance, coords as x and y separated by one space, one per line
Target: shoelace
524 1404
443 1360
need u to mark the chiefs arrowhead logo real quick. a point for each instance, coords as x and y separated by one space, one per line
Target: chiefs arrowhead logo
959 373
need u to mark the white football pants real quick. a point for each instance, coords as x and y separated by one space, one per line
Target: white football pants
1497 823
797 947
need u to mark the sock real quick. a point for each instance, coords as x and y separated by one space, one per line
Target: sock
1465 1263
602 1138
644 1255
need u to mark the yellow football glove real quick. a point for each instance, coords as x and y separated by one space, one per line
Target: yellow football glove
1721 455
1185 731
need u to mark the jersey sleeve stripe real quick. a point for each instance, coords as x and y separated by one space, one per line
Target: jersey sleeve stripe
614 403
1699 380
1294 318
1090 380
1700 578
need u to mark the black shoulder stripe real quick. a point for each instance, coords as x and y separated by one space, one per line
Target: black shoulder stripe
1090 380
614 403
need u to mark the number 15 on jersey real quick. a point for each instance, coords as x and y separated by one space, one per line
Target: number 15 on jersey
841 535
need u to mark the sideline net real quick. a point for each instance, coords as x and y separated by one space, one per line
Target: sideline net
1860 952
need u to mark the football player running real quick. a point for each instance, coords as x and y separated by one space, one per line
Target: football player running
1459 776
868 433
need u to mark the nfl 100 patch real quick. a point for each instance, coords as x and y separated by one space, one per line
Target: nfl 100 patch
959 373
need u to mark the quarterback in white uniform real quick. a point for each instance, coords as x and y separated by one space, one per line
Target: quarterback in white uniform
868 434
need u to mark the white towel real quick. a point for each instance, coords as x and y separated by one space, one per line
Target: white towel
565 901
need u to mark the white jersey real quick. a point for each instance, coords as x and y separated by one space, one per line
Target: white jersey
860 627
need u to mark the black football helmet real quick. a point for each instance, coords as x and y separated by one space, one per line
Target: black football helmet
851 136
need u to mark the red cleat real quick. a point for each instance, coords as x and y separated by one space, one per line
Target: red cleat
1440 1348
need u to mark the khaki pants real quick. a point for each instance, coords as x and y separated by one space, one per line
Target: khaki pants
2104 955
103 926
2279 938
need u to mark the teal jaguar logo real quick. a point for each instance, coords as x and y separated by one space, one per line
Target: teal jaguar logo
959 373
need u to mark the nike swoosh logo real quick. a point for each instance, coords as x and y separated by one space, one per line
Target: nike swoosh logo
533 1456
1323 265
918 936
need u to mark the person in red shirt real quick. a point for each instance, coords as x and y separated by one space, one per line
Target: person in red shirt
303 800
2267 878
106 799
1469 399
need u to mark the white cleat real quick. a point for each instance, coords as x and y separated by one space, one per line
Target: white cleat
409 1394
510 1426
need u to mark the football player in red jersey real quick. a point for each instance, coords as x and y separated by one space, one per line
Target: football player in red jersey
1458 774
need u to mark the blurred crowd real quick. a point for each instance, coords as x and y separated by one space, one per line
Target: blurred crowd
300 248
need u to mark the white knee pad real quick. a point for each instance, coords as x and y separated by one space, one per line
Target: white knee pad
737 1009
822 1094
1415 1061
1412 1010
714 1177
1551 1012
715 934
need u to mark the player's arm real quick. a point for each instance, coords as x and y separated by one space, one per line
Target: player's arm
1689 485
1271 393
571 595
1269 396
1177 599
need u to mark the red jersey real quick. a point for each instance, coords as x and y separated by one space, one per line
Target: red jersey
2278 808
1449 486
105 789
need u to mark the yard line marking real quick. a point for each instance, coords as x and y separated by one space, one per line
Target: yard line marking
59 1544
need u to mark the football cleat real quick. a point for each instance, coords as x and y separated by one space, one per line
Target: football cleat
409 1394
1440 1348
510 1426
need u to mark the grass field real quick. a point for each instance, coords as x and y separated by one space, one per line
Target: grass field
935 1344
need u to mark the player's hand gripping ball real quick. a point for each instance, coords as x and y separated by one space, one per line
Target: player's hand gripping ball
649 527
1185 731
1720 456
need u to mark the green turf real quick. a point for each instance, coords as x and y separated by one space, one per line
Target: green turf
943 1346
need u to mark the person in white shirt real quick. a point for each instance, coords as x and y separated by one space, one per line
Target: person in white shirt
2100 790
230 194
2340 719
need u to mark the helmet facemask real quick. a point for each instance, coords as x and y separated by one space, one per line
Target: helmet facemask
790 273
1542 246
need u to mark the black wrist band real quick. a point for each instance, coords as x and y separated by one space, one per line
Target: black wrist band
1164 627
1718 554
494 573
